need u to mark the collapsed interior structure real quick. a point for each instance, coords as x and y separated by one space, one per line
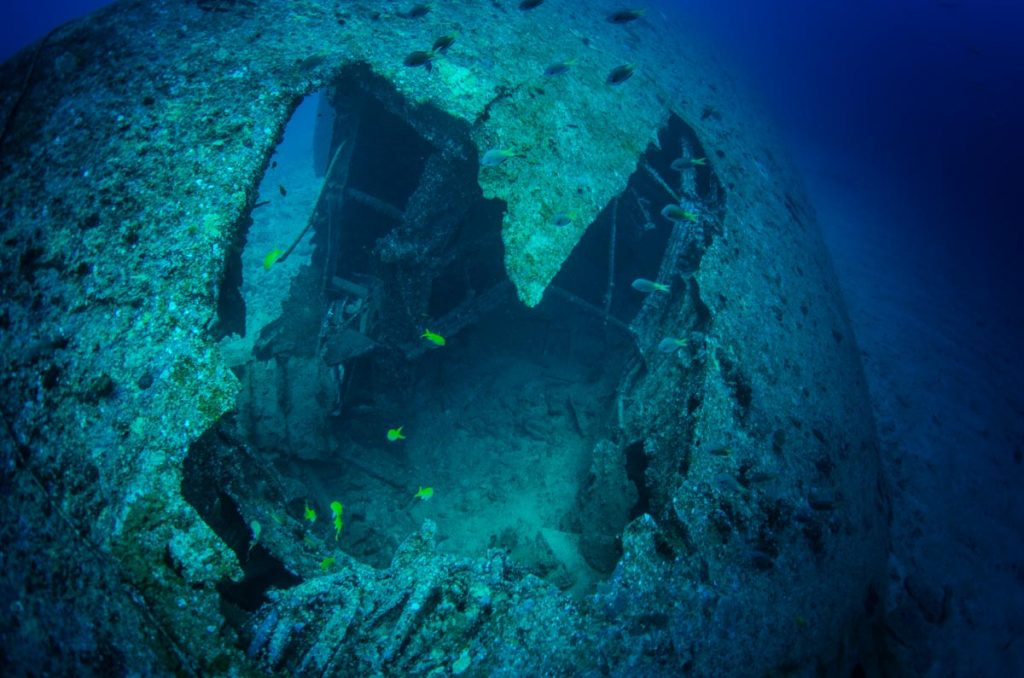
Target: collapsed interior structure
403 239
668 477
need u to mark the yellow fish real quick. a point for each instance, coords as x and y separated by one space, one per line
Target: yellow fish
395 434
309 514
326 563
272 257
677 213
433 337
424 493
336 509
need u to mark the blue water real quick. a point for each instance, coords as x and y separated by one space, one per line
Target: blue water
919 102
905 118
22 23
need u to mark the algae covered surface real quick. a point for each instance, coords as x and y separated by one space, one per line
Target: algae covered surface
205 343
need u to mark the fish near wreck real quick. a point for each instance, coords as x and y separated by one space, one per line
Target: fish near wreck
563 219
671 344
415 12
620 74
625 16
647 286
559 68
680 164
419 58
497 156
678 214
443 43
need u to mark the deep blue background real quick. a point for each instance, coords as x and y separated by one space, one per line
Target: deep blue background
916 103
25 21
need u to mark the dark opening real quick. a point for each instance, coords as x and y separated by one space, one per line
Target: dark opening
641 233
384 168
636 471
230 303
388 156
701 313
639 245
479 236
203 486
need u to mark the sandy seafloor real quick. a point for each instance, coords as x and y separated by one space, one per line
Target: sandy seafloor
941 334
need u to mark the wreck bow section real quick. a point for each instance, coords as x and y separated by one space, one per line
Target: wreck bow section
730 503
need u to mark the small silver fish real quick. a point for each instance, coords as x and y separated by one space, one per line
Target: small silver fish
671 344
559 68
496 156
679 164
624 16
647 286
415 12
419 58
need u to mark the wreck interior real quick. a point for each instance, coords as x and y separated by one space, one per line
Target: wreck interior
398 239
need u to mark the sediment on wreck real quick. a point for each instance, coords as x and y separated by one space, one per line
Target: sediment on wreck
731 497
